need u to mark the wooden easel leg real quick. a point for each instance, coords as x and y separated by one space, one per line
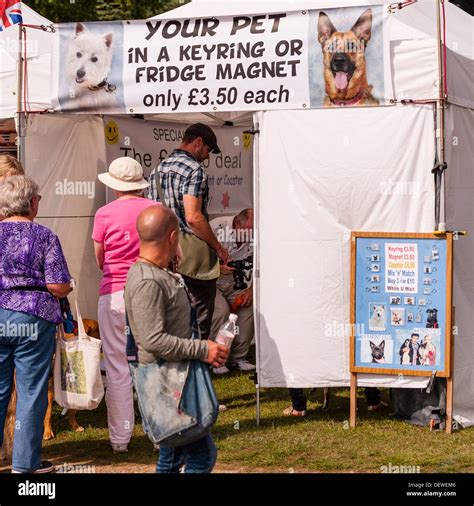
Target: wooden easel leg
449 405
353 409
450 382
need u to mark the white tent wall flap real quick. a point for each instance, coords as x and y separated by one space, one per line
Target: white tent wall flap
366 169
460 216
62 151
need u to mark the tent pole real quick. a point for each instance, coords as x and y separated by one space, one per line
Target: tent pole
256 272
440 126
21 115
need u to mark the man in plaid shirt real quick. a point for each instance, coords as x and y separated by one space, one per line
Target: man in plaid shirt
185 190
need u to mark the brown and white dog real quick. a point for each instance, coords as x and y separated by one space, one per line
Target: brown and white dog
345 70
92 329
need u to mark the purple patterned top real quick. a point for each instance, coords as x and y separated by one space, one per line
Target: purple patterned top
30 255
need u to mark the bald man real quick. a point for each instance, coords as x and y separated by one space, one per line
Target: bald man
158 311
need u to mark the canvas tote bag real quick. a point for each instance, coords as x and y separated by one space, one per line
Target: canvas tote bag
199 260
77 378
177 400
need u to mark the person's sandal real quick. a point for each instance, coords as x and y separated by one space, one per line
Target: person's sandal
290 411
378 406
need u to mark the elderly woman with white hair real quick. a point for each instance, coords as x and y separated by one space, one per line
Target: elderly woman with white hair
33 275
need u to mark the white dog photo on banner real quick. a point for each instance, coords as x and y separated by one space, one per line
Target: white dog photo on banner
90 77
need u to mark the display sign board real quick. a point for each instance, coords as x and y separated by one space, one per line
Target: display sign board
229 174
401 303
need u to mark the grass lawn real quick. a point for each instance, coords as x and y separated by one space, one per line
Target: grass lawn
321 442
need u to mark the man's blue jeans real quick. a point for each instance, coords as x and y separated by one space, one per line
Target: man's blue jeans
197 457
27 346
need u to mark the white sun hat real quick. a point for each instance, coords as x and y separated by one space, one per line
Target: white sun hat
125 174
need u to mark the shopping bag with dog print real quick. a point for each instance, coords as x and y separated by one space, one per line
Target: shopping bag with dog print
77 377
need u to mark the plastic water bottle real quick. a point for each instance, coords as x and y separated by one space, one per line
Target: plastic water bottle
227 332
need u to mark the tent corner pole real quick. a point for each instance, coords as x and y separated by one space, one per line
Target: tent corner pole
20 112
440 126
258 403
256 277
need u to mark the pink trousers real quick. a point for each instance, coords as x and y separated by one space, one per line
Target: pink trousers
119 393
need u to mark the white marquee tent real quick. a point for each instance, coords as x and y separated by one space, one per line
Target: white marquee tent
317 177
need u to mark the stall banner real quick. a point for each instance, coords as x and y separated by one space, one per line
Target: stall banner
296 60
230 174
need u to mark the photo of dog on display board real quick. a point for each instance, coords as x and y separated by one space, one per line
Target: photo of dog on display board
90 67
376 349
432 318
397 317
418 346
377 316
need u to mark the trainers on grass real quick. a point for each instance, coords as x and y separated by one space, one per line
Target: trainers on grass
119 448
245 365
220 370
45 467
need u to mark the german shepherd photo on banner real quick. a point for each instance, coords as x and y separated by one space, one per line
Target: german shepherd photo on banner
346 57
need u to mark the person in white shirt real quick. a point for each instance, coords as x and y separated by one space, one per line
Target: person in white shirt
235 233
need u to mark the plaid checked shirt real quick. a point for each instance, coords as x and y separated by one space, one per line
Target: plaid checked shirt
180 174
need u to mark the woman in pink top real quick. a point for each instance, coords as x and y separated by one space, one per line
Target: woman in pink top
116 248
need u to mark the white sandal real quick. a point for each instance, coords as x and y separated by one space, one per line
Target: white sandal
291 411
